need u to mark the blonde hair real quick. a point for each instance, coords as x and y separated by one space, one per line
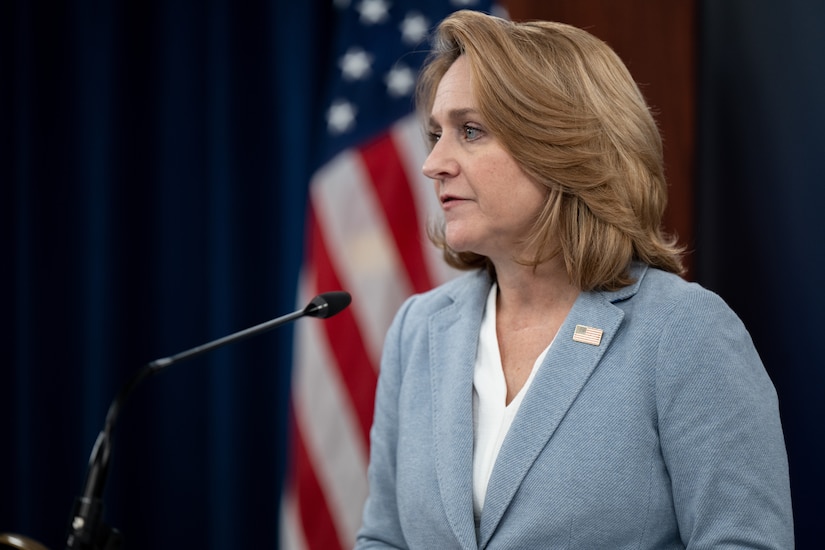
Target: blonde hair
566 108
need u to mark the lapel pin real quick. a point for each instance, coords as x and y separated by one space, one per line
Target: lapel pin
588 335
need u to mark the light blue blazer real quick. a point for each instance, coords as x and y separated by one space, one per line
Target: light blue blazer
665 435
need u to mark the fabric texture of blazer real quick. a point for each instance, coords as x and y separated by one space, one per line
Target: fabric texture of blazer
665 435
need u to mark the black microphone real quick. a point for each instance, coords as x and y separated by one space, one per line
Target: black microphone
86 530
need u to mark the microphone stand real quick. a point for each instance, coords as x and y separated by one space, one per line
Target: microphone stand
87 531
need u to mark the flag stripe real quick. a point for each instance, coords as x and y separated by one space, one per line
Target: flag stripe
316 520
290 536
389 179
359 247
357 371
336 450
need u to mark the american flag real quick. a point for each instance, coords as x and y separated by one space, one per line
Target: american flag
369 207
588 335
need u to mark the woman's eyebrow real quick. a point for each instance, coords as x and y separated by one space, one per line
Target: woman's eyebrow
456 116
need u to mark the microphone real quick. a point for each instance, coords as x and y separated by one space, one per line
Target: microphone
86 531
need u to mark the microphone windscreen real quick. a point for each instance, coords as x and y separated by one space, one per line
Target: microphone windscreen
328 304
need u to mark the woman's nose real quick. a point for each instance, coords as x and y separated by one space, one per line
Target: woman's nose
440 163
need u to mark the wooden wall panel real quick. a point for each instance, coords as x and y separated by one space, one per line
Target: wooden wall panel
656 40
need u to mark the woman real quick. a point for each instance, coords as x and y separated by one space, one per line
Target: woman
571 390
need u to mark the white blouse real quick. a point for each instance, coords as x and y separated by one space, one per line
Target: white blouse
491 416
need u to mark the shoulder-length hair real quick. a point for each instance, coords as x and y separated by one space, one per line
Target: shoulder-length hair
566 108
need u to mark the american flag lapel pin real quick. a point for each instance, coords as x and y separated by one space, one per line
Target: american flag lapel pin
588 335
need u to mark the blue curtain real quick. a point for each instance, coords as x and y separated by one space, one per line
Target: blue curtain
761 190
154 161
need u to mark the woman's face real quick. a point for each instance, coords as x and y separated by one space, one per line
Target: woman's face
489 203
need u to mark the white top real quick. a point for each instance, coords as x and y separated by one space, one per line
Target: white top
491 416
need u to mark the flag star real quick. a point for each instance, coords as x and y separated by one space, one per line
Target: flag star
356 64
341 117
400 81
414 28
463 3
373 11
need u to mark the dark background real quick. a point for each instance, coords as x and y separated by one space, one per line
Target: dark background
154 162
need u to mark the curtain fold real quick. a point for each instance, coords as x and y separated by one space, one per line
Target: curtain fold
154 165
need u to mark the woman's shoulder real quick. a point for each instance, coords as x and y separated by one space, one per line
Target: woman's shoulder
659 295
655 285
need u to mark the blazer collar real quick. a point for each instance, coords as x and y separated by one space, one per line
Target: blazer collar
453 331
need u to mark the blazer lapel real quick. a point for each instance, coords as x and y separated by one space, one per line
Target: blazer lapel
454 339
559 380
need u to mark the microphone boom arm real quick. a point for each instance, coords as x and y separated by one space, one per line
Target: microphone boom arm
86 531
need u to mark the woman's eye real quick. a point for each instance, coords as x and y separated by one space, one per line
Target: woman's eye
471 133
433 137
